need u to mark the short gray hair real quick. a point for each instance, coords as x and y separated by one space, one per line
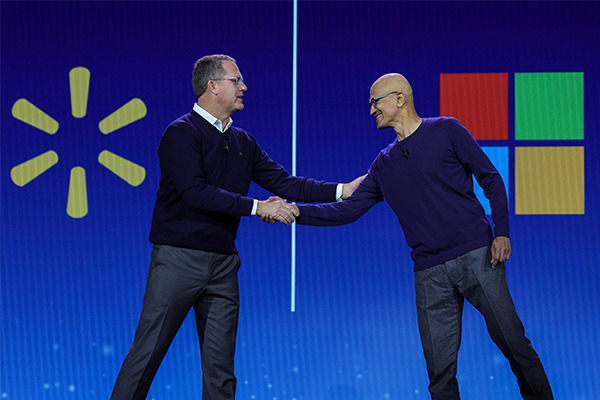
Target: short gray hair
208 68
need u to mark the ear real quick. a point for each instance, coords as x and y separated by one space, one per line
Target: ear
400 100
212 87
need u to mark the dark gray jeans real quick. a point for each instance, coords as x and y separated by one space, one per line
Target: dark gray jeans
179 279
440 294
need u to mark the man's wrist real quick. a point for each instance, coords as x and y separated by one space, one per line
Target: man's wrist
339 192
254 208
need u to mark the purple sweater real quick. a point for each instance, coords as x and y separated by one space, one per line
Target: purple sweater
205 177
427 180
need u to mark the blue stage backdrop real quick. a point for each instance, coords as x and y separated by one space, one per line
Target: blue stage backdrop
88 88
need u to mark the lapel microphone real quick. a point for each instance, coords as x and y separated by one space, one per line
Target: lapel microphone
405 151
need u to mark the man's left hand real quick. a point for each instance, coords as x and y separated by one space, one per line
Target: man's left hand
500 250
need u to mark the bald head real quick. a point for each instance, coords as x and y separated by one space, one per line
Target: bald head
392 104
390 83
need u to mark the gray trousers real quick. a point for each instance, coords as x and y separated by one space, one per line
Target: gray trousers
440 293
178 280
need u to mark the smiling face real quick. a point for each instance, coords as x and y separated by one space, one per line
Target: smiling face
389 95
384 103
383 107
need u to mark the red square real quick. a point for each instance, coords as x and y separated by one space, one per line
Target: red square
478 101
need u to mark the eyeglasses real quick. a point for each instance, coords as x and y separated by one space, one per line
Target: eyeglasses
238 81
373 101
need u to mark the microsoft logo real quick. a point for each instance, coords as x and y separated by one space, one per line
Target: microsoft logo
79 81
548 135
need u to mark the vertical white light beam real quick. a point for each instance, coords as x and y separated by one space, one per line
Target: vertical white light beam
294 119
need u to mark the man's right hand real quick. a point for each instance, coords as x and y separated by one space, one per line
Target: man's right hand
276 209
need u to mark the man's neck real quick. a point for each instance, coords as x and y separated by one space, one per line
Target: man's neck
407 127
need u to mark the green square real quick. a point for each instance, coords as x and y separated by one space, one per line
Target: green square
549 106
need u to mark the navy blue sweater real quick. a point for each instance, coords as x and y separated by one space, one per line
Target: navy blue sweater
427 180
205 177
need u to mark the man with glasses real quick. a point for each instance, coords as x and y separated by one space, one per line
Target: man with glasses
206 168
426 177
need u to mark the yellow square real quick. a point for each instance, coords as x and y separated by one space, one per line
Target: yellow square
549 180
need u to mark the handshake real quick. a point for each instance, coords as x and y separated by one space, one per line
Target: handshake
277 209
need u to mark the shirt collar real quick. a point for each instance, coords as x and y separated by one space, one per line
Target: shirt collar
211 119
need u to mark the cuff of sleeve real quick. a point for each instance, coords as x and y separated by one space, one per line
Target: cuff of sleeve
501 231
339 191
254 207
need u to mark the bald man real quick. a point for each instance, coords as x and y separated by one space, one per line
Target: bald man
425 175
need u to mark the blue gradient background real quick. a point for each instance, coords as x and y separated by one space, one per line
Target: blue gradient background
72 288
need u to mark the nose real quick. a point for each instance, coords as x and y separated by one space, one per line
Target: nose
243 88
373 110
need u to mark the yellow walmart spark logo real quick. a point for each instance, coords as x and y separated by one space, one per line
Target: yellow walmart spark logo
79 82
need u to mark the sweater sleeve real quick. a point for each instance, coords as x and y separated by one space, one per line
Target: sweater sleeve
180 158
475 160
274 178
340 213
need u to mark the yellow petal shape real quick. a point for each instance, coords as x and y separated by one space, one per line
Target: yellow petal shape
77 205
79 82
25 111
25 172
123 168
130 112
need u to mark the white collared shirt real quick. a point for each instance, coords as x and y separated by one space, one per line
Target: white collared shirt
217 123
